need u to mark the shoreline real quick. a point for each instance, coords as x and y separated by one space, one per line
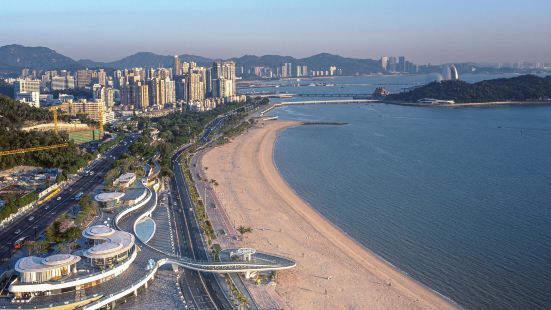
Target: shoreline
472 104
352 239
357 276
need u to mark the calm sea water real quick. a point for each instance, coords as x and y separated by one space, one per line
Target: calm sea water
457 198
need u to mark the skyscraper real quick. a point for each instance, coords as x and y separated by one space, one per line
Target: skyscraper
177 66
83 78
384 63
194 88
391 64
401 64
223 79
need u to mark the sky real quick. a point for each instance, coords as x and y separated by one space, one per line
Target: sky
425 31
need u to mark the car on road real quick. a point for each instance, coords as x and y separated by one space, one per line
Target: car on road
58 198
18 231
46 207
78 196
31 218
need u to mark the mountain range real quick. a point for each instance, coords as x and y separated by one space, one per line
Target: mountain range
15 57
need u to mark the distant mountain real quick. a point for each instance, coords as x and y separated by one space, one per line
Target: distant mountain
15 57
145 59
317 62
42 58
521 88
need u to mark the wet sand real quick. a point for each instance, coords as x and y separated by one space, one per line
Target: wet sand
333 271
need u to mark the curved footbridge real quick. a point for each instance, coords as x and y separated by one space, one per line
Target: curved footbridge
150 259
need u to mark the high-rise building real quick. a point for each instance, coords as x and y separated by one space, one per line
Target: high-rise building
161 92
284 72
30 97
384 63
401 64
391 64
208 82
299 71
223 76
287 70
62 82
83 78
180 86
142 95
20 86
177 66
102 77
194 88
27 91
223 88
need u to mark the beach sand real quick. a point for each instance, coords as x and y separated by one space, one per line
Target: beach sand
333 271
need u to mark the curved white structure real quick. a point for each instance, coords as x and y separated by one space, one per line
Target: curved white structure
34 269
111 246
52 286
109 200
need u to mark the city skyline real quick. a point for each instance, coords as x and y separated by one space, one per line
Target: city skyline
436 32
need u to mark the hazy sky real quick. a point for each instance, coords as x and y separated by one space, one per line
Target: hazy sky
422 30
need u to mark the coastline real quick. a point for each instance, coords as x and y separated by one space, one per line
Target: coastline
334 270
472 104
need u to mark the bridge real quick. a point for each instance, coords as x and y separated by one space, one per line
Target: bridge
318 102
149 259
289 95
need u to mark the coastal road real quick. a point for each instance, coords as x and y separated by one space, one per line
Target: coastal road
202 289
46 213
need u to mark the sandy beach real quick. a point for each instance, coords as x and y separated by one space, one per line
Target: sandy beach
333 271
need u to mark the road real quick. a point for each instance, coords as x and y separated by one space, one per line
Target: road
45 214
201 291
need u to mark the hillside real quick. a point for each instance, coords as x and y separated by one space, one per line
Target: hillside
321 61
145 59
42 58
521 88
15 57
14 114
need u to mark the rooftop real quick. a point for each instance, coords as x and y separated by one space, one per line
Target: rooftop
98 232
106 197
127 177
38 264
115 243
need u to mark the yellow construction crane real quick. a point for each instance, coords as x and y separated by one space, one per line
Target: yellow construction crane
33 149
69 105
54 109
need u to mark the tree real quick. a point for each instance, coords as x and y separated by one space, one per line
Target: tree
243 230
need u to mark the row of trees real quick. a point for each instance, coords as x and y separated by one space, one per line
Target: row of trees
11 207
14 114
70 158
522 88
65 240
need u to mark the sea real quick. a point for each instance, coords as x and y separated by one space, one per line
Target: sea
458 199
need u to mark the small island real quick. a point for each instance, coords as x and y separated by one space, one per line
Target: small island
525 89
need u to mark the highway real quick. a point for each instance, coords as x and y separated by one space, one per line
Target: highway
46 213
201 289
